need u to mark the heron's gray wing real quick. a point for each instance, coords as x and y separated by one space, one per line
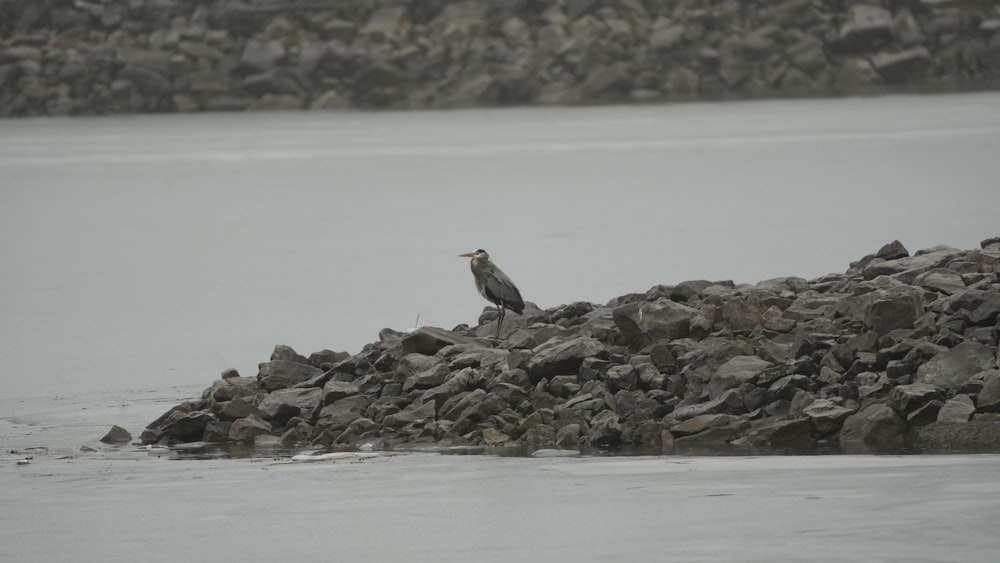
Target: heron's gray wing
499 289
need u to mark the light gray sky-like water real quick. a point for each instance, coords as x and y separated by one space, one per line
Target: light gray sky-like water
156 251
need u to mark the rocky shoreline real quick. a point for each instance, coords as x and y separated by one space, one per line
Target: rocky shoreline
90 57
897 354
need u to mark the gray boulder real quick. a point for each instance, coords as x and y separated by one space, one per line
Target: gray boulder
563 356
867 27
973 436
950 370
117 435
229 388
279 374
735 372
903 66
827 416
429 340
988 399
905 399
246 430
645 323
875 426
957 410
281 405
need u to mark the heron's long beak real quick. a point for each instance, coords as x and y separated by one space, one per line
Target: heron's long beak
467 255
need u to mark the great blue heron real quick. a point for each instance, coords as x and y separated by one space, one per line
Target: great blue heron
494 285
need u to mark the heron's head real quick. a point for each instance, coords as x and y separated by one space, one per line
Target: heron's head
477 255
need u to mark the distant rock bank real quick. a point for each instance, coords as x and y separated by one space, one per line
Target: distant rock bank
898 352
59 57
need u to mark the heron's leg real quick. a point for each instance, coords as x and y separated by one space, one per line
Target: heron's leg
500 320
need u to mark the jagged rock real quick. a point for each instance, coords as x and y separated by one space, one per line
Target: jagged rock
189 427
827 416
907 65
645 323
701 423
429 340
867 28
229 388
895 310
561 356
281 405
786 434
957 410
280 374
334 391
246 430
876 426
951 369
735 372
988 312
117 435
729 402
988 399
905 399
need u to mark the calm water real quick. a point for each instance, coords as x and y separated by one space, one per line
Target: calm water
143 255
145 252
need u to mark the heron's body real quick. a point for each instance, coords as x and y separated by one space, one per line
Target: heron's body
494 285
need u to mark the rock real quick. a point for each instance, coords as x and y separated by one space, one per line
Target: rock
388 23
280 374
281 405
735 372
784 434
905 66
988 399
288 354
941 280
827 416
950 370
117 435
645 323
334 391
188 427
261 55
973 436
988 312
892 251
229 388
147 82
729 402
868 27
907 269
904 399
957 410
895 310
563 356
875 426
701 423
246 430
429 340
740 315
414 414
665 35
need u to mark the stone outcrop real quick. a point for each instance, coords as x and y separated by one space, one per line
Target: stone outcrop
662 370
124 56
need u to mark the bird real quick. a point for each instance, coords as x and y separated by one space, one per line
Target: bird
494 285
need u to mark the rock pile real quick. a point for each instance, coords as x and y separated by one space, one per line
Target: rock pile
62 57
900 351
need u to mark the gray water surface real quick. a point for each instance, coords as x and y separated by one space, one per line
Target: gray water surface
155 251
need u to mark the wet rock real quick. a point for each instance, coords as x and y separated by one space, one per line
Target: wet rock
786 434
246 430
973 436
117 435
875 426
188 427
